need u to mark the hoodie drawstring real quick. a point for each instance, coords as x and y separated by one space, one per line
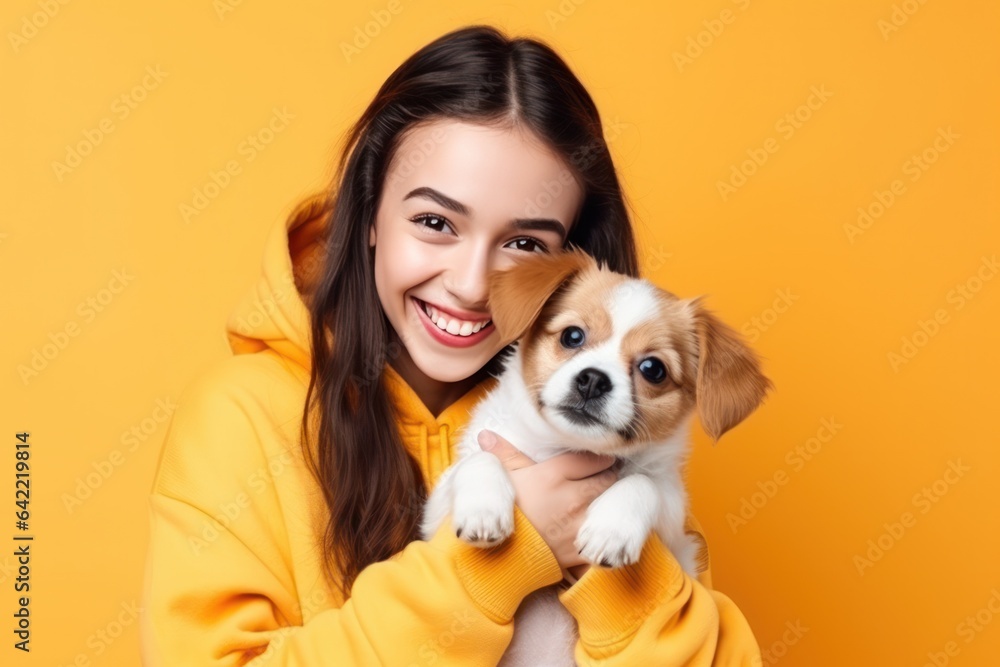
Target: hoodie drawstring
443 454
444 444
424 456
433 463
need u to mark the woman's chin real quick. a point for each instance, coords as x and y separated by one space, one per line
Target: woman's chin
451 367
453 372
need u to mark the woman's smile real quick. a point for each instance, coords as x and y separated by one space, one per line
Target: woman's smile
450 330
441 229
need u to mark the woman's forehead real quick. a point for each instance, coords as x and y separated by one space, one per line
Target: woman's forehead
483 167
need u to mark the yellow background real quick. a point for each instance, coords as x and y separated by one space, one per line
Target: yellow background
826 308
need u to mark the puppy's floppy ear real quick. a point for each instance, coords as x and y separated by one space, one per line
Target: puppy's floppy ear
730 384
517 294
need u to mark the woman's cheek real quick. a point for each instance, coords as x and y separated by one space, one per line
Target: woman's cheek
417 258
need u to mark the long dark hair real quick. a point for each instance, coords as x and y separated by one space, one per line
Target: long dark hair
373 488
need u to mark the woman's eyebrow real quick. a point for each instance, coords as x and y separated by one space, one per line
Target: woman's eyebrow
537 224
440 198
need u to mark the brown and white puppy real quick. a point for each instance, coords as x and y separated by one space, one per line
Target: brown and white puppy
603 363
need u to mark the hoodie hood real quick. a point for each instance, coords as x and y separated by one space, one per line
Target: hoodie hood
273 314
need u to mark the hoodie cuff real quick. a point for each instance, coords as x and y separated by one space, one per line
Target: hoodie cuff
610 604
499 577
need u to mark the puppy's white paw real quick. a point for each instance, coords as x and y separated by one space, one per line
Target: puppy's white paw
482 511
610 539
483 521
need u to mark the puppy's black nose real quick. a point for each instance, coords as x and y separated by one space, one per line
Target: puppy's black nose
592 383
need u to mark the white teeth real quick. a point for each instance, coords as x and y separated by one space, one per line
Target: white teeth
453 326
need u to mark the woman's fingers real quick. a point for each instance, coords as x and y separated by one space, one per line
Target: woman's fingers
597 484
510 456
572 465
553 494
577 465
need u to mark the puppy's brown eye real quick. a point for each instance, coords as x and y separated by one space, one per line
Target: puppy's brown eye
653 370
572 337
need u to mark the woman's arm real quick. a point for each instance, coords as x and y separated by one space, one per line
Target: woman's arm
650 612
440 602
653 613
233 594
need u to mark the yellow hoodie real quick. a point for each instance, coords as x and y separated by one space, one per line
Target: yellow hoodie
234 574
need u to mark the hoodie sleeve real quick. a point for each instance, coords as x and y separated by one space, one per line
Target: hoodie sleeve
221 586
653 613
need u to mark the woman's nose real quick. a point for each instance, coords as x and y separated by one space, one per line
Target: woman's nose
467 282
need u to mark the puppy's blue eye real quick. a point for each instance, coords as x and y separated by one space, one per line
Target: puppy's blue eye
572 337
653 370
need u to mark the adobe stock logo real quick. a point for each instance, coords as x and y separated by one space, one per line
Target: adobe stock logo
109 632
122 107
915 167
30 25
381 18
960 295
223 7
249 149
59 340
924 500
968 629
87 484
786 126
758 324
797 457
899 16
562 12
696 44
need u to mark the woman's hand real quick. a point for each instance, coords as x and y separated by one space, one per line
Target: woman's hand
554 494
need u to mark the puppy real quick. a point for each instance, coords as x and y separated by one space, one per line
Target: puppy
608 364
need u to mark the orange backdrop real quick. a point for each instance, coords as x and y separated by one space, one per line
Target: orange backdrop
825 171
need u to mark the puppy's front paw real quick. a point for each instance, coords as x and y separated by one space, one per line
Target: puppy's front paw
609 539
483 523
482 510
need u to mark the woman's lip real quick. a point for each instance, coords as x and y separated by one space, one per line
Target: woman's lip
452 314
445 338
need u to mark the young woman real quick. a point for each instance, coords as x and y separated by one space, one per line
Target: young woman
286 505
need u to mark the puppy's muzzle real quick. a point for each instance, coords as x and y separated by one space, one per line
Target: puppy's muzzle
592 384
592 387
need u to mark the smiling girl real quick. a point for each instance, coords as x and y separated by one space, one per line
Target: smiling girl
286 506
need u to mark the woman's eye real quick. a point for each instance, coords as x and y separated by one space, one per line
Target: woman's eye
532 245
437 220
435 223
